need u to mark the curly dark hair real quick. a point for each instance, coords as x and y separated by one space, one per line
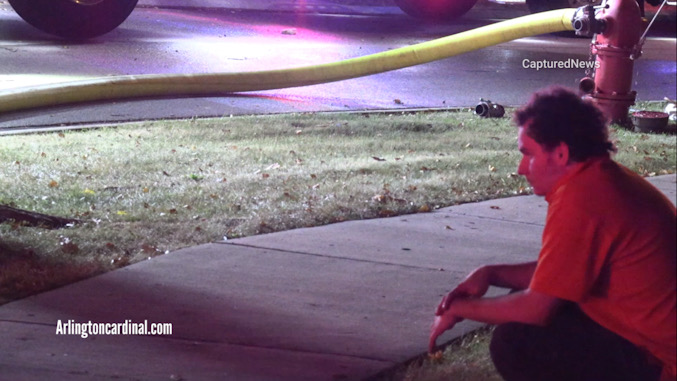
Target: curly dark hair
557 115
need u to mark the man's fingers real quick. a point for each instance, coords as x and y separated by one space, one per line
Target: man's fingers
442 306
440 325
432 345
434 334
448 299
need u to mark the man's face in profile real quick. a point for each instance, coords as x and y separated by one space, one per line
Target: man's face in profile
541 168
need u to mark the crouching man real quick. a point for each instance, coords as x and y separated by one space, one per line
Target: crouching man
599 303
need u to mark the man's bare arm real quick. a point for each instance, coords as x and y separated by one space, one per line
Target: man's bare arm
524 307
513 276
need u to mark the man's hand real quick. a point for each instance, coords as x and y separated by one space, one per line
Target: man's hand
474 286
441 324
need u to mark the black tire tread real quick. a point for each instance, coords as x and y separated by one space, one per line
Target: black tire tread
67 19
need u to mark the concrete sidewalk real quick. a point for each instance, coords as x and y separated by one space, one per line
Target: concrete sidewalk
338 302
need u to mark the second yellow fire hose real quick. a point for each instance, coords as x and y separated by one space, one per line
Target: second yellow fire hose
184 85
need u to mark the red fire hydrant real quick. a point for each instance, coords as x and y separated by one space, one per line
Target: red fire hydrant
616 47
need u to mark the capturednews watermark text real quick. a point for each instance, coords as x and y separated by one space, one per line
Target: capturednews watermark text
570 63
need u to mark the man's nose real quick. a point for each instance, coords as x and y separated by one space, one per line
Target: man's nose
522 167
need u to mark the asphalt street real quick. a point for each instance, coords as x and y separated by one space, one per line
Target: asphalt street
204 37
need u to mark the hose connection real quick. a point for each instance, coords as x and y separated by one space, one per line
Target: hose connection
586 23
586 85
488 109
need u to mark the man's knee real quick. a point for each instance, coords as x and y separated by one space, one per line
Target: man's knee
507 339
505 346
510 350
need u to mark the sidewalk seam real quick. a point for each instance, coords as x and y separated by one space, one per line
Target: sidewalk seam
325 255
27 322
496 219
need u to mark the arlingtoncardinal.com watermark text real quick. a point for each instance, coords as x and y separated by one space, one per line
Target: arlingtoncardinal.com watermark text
128 327
570 63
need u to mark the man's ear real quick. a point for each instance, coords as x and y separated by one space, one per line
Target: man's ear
562 154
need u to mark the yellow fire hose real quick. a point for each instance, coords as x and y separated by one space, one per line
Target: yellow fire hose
184 85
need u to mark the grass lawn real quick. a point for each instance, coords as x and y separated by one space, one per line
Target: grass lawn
464 359
145 189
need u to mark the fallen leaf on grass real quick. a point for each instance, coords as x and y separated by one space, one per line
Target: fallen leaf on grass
120 261
380 198
69 248
437 356
53 184
387 213
148 249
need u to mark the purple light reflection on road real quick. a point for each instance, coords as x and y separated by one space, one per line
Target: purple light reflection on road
215 44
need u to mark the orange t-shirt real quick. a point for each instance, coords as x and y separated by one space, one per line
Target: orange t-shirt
610 245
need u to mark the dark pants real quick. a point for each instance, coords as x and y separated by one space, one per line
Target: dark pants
571 348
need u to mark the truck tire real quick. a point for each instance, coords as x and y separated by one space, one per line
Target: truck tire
74 19
440 10
537 6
